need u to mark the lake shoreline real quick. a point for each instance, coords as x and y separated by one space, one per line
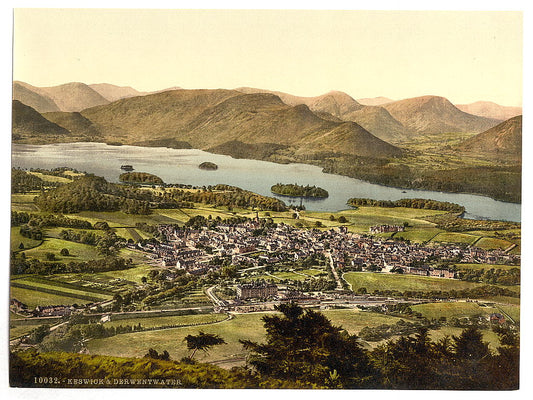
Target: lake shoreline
233 171
284 162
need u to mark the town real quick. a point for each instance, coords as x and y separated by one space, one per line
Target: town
254 245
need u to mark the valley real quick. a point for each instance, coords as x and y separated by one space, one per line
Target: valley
156 305
188 245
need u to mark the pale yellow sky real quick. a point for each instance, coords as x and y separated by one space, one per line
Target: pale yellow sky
464 56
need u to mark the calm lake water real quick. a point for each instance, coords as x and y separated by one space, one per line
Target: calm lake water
181 166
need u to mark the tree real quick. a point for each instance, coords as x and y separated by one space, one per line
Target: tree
229 272
469 344
305 346
64 252
38 334
202 341
342 219
152 353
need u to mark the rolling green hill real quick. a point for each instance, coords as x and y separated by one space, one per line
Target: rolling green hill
28 122
74 122
504 139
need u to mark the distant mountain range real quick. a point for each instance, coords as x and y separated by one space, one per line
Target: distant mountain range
74 96
490 110
241 120
68 97
374 101
207 119
343 107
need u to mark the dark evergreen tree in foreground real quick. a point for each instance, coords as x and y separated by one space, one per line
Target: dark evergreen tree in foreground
202 341
304 346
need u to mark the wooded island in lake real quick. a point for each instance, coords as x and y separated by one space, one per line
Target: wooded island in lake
296 190
140 177
208 166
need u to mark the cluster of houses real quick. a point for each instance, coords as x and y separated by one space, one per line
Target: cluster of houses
18 307
386 229
193 249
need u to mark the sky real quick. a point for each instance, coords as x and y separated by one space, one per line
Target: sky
464 56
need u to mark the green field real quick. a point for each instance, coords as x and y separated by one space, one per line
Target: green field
489 243
120 219
17 239
379 281
419 235
154 322
242 326
77 251
453 237
353 320
485 266
19 330
51 178
34 298
289 275
109 280
60 289
313 272
453 309
23 202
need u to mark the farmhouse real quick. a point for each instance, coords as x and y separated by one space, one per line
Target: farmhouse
52 311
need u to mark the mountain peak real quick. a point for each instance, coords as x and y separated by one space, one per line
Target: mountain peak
436 114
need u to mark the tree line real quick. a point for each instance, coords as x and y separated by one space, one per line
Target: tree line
23 182
479 292
408 203
498 182
493 276
92 193
50 220
21 265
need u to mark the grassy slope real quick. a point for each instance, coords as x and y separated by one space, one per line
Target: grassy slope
34 298
379 281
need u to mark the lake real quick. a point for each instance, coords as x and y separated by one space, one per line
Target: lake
181 166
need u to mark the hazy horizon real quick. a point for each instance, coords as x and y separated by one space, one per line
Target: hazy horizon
465 56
